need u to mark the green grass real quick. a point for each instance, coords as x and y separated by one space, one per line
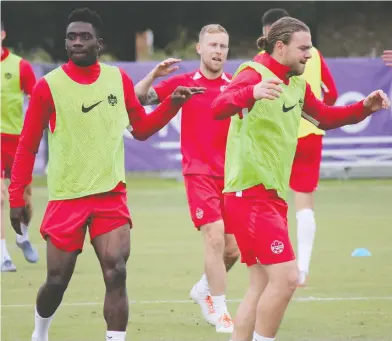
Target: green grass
166 260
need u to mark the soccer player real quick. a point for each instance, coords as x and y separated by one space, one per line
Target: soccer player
203 143
387 57
306 166
17 78
86 107
269 97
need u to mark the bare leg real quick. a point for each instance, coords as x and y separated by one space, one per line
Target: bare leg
246 313
282 283
60 267
113 249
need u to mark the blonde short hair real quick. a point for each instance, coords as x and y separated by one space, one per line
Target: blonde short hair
212 28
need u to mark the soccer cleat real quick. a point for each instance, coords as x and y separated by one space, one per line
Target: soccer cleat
303 278
205 302
225 324
29 252
8 266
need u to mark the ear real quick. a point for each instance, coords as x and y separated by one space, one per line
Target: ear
100 44
279 46
198 48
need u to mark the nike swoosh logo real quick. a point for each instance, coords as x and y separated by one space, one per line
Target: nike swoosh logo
85 110
286 109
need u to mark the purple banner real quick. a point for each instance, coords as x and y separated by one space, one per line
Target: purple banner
365 143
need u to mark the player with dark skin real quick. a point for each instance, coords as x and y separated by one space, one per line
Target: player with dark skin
83 43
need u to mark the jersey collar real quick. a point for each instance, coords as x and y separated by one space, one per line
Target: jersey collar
83 70
278 69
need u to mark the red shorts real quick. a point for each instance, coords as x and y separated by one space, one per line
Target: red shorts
9 144
258 220
305 172
205 198
65 221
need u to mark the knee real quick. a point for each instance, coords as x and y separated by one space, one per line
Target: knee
214 237
231 249
56 281
287 282
115 273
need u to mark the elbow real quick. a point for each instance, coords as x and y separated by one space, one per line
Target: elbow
139 136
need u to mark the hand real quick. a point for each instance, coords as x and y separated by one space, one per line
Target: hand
387 57
267 89
182 93
165 68
376 100
18 215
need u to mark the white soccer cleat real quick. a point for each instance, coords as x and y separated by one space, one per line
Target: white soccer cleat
204 300
225 324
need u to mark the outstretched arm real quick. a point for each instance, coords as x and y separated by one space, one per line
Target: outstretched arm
144 125
326 117
144 90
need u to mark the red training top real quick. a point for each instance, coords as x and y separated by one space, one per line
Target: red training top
203 139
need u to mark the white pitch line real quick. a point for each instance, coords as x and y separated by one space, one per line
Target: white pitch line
298 299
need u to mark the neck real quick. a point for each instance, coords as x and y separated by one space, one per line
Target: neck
207 73
281 61
85 64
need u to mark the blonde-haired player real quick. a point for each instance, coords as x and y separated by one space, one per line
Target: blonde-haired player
203 145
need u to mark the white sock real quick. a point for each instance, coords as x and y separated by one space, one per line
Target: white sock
4 252
219 304
202 285
115 336
257 337
306 231
24 236
42 325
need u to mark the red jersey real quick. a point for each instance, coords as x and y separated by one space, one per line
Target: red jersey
203 139
41 114
239 95
26 73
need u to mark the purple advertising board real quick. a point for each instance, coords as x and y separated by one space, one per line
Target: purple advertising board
354 77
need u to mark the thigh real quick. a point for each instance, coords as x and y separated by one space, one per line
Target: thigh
269 229
110 212
305 171
65 223
238 216
113 248
60 263
204 199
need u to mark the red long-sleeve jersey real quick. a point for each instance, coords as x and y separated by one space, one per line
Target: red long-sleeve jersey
41 114
330 92
239 96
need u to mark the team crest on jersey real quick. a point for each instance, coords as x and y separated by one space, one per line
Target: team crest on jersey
223 88
277 247
112 100
8 75
199 213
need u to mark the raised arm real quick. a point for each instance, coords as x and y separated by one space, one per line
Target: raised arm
144 125
144 90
